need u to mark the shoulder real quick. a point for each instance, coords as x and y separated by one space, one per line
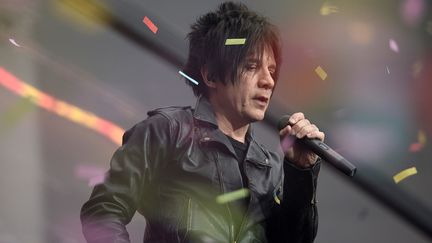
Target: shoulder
165 119
172 112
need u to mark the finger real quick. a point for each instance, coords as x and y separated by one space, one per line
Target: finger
296 117
306 130
296 128
318 135
286 130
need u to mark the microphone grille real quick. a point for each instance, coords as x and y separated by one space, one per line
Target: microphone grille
283 121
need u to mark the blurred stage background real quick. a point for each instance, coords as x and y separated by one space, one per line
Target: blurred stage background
75 73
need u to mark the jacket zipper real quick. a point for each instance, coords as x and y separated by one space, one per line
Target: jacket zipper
231 227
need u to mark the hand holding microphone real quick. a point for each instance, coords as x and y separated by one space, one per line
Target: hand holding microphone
309 144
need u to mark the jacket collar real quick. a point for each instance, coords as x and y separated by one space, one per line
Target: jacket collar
204 113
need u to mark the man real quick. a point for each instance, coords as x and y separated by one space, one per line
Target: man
174 166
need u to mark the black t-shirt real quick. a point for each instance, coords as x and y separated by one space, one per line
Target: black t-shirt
241 150
240 205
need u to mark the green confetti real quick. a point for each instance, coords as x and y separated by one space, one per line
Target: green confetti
232 196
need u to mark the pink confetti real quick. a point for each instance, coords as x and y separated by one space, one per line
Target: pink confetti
150 24
412 11
93 174
96 180
394 46
415 147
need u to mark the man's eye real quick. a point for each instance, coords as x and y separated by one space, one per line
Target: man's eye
251 66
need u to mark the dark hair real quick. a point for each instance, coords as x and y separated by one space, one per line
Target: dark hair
226 62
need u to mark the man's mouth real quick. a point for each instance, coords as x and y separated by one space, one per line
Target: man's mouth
262 99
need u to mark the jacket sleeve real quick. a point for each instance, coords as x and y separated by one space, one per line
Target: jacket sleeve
295 220
133 166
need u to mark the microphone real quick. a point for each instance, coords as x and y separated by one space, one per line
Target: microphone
322 150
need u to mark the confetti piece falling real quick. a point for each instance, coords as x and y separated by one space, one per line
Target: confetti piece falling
232 196
328 9
61 108
87 15
14 42
96 180
321 73
388 71
393 46
413 11
421 142
421 137
417 68
415 147
190 79
150 24
239 41
404 174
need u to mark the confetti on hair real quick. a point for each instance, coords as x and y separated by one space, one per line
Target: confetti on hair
404 174
321 73
238 41
327 9
393 46
150 24
190 79
61 108
232 196
14 42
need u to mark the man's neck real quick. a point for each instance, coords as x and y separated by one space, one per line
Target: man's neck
227 123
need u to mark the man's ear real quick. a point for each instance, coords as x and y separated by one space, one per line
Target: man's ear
204 75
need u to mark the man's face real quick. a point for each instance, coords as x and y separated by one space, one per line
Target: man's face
248 99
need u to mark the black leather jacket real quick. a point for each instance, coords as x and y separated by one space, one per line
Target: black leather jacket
173 165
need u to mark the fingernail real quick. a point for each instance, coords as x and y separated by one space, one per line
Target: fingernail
291 120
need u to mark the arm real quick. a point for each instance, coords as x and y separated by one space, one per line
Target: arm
298 222
113 203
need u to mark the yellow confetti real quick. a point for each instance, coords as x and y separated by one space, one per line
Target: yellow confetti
321 72
232 196
404 174
421 137
277 200
328 9
417 68
240 41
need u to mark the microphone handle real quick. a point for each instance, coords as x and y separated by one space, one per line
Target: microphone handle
329 155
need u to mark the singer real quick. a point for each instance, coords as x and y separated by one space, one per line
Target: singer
174 166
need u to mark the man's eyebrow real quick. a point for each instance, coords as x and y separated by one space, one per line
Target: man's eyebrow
256 60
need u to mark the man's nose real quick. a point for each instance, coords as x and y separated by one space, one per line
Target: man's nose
266 80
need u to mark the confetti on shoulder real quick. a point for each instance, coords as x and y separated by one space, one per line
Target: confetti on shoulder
239 41
404 174
189 78
321 73
150 24
232 196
